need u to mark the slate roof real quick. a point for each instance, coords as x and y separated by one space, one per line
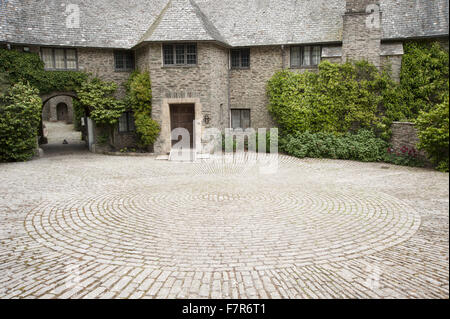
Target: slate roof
414 18
182 20
125 23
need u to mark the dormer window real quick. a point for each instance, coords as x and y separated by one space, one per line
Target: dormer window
183 54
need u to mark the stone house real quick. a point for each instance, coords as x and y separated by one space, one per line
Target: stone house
210 60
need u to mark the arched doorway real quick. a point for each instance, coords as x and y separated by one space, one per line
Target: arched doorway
61 112
63 128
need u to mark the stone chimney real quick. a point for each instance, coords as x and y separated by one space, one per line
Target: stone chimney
362 32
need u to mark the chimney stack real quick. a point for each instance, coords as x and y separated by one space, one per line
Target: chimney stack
361 39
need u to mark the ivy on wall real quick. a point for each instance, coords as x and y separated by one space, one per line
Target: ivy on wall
98 97
342 98
424 77
28 68
337 99
22 80
139 99
425 89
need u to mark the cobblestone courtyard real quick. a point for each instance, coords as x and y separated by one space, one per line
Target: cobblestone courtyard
92 226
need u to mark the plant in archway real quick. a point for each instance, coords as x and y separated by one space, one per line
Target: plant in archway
98 97
20 115
139 99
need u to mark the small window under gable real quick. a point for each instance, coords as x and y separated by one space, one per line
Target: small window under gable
240 58
180 54
305 56
124 60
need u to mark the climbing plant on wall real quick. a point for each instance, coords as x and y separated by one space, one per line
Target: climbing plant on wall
425 87
28 68
337 99
424 77
22 79
139 99
98 97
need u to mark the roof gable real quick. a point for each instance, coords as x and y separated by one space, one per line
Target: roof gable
182 20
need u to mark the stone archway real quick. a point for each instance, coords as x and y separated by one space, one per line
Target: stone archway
57 107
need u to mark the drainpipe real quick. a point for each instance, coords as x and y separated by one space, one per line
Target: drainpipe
229 91
283 57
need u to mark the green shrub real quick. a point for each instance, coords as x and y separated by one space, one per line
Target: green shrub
338 99
425 89
20 115
362 146
433 130
404 157
78 113
147 129
424 77
97 96
139 99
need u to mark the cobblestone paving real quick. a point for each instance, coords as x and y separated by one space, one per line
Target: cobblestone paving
57 132
92 226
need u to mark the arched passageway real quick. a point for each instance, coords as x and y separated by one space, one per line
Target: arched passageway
62 130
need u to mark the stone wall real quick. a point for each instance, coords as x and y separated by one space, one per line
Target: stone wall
49 111
100 62
404 134
248 86
205 85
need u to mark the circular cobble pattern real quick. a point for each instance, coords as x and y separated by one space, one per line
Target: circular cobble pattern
91 226
218 223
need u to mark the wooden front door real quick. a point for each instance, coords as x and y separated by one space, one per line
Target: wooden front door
183 116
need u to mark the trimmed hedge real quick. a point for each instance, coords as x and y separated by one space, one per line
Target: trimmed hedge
20 116
361 146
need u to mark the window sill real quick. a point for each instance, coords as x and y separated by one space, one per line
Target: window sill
180 66
124 71
61 70
313 67
241 68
